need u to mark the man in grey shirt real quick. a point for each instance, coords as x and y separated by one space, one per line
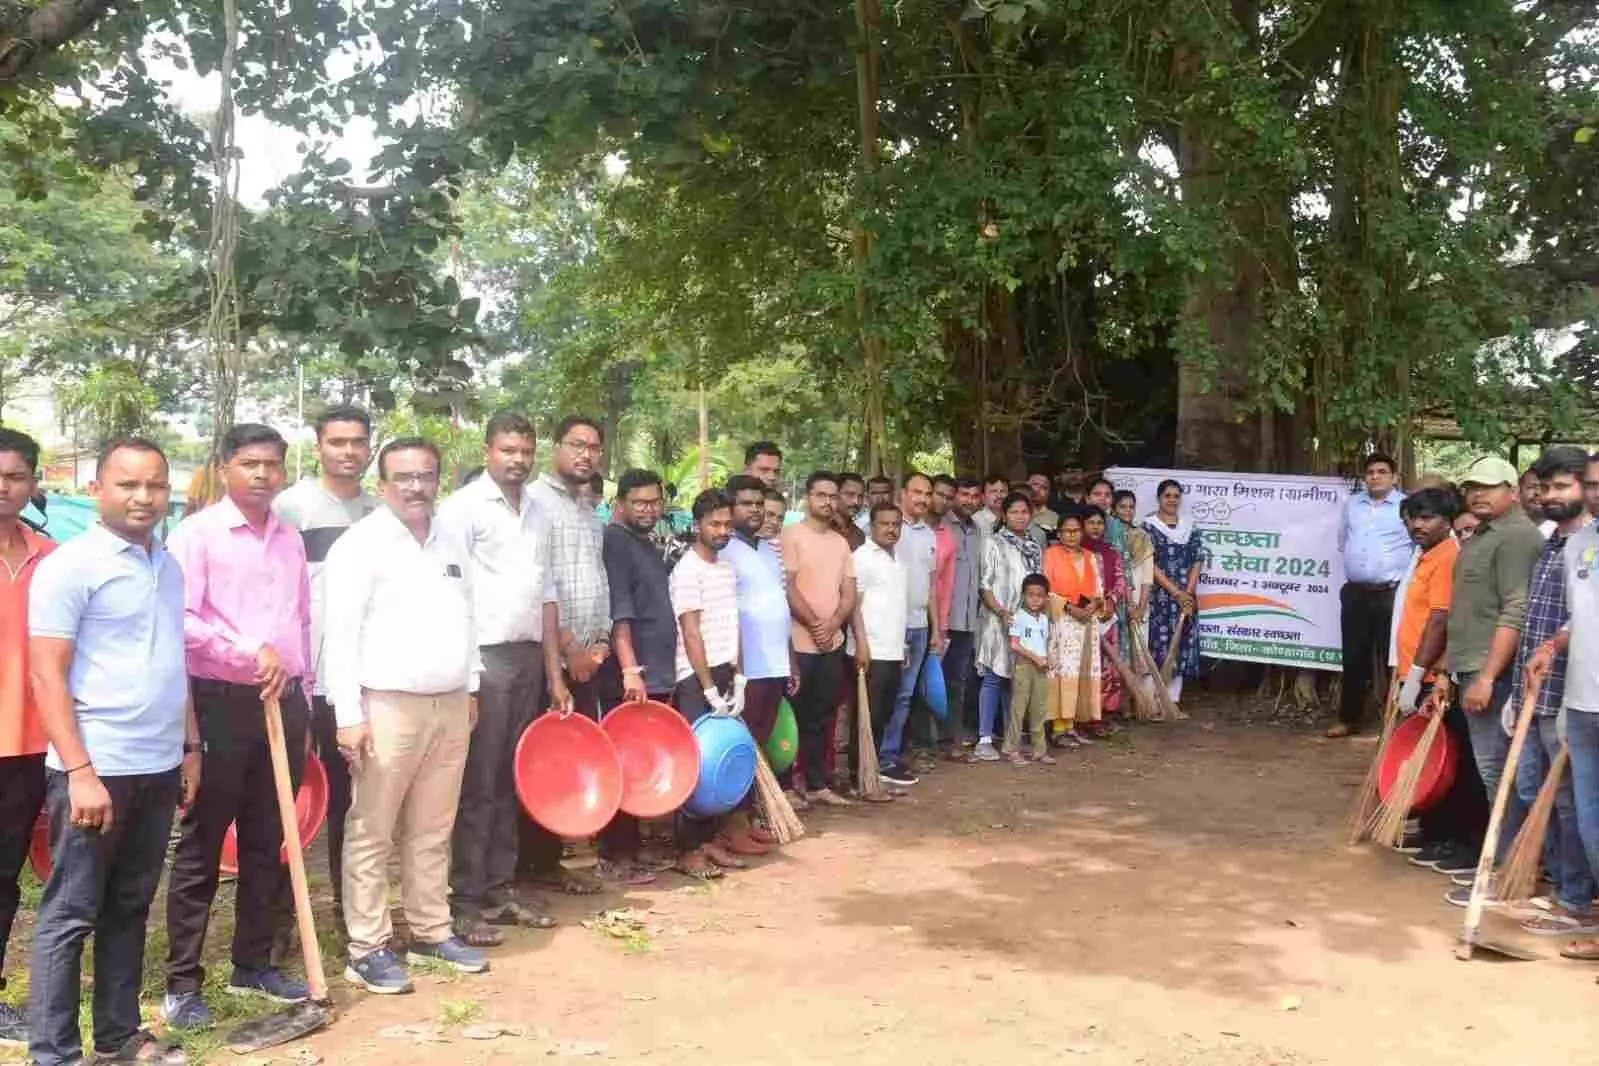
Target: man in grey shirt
322 508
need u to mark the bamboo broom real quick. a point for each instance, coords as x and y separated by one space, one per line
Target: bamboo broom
867 781
1387 825
1165 708
1358 825
776 811
1143 702
1519 876
1176 646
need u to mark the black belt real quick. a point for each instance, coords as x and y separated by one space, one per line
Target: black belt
1374 586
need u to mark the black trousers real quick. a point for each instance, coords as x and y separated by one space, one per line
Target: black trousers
21 796
1461 816
100 883
960 685
1366 613
325 739
483 847
236 786
689 699
820 676
882 690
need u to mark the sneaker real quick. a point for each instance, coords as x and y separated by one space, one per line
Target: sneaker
985 751
143 1047
451 952
13 1025
1456 863
381 972
1412 844
897 775
1431 854
1460 896
1464 879
271 982
186 1010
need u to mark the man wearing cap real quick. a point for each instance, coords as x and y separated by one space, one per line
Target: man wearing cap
1487 612
1376 548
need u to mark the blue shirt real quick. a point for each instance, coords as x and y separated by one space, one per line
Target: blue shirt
763 616
1374 540
123 610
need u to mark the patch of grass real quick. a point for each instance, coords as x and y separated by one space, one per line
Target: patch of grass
459 1011
441 971
32 889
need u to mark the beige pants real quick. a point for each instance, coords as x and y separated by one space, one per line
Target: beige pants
408 787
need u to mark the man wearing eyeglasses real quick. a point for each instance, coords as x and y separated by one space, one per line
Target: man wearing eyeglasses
402 665
582 590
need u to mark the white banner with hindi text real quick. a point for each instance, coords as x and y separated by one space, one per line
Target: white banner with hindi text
1269 589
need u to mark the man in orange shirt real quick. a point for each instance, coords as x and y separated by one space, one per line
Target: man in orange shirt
1451 830
22 740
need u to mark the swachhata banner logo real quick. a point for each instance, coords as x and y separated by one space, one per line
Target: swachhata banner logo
1272 572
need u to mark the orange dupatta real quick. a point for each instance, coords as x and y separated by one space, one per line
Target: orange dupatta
1072 576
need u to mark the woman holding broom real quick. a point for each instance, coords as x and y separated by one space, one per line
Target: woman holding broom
1096 539
1077 620
1174 603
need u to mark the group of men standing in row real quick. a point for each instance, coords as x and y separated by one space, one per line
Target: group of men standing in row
1504 605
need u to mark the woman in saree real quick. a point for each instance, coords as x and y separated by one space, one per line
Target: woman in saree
1139 559
1077 604
1009 555
1097 540
1174 603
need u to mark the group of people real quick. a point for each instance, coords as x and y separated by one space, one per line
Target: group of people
1505 607
409 643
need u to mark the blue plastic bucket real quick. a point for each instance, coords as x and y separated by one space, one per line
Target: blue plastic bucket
727 766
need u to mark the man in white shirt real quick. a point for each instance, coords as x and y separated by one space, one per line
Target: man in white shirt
878 627
917 552
322 508
514 605
989 518
401 664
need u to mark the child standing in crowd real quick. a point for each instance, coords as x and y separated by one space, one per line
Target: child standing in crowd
1029 686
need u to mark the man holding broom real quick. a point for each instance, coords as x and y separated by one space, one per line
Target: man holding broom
1490 606
878 628
763 622
247 628
1559 473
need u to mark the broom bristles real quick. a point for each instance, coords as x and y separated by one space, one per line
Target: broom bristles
1357 826
1388 822
867 783
1519 876
1165 709
1143 703
775 809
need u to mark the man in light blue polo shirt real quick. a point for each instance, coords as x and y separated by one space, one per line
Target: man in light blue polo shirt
1376 550
106 657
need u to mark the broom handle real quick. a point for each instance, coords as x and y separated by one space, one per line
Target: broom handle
1171 652
1490 840
284 781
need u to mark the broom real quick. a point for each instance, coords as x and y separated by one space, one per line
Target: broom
867 783
776 811
1387 824
1165 708
1357 825
1519 876
1143 702
1171 652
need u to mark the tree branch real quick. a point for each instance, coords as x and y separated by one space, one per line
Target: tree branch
43 30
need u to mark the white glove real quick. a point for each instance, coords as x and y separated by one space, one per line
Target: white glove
1410 691
739 682
1560 726
717 703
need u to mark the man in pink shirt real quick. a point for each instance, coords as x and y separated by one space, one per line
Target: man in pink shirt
247 631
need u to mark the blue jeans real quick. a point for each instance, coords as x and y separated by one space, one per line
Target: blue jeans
893 749
993 703
1582 741
1562 844
100 883
1490 748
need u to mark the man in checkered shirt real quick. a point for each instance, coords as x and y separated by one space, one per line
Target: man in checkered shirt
1559 471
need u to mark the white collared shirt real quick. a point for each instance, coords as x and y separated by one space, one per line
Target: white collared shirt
881 579
399 615
509 549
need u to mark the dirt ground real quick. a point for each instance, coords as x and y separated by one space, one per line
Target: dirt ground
1180 895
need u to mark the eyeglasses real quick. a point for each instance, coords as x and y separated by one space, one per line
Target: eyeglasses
583 447
414 480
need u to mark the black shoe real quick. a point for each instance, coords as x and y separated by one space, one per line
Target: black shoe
897 775
1412 844
1456 862
13 1025
1432 854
